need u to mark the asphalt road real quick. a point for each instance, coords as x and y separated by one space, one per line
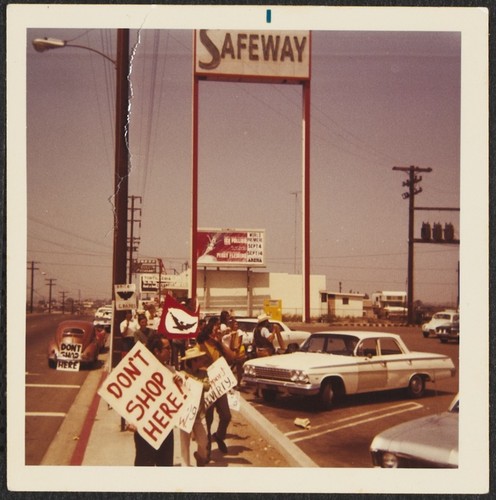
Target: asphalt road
341 437
49 393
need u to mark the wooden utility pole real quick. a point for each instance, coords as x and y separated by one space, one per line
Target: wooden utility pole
410 195
32 269
51 283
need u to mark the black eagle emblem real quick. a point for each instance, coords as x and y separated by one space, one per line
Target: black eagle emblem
181 325
125 295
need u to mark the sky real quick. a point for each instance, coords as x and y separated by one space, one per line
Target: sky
379 99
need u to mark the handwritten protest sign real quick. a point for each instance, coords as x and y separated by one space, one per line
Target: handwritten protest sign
222 380
68 359
192 405
144 392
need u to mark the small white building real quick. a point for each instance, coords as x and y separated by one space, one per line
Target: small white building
246 291
343 305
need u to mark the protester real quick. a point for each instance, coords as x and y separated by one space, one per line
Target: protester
224 321
234 339
153 319
146 454
194 368
143 332
209 342
127 328
263 338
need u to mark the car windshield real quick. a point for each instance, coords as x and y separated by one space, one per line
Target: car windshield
342 345
246 326
441 316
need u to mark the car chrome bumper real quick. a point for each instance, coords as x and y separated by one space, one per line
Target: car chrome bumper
283 386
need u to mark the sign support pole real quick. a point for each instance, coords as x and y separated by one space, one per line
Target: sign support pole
194 192
306 200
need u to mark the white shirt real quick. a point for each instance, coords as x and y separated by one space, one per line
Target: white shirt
128 328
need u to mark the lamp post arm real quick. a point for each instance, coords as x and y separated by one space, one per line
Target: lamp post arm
92 50
43 44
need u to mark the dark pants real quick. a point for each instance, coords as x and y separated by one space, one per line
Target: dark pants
222 407
148 456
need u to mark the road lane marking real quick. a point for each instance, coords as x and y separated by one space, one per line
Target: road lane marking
55 386
358 415
45 414
410 407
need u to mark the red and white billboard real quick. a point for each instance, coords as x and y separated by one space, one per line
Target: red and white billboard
230 247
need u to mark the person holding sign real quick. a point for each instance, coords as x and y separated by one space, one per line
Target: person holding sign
209 342
147 455
263 338
194 369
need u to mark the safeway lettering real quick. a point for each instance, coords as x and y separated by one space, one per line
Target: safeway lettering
253 47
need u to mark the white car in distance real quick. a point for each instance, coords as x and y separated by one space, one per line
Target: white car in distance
292 338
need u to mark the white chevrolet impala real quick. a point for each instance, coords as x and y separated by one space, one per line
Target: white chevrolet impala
331 364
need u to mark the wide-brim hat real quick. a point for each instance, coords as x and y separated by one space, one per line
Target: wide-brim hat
263 317
192 353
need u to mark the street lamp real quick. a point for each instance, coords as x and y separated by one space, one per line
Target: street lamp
121 174
44 44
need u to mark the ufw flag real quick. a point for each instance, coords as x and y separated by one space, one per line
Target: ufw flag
178 322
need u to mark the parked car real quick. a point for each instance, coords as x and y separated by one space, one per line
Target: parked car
331 364
74 341
449 332
103 316
427 442
442 318
292 338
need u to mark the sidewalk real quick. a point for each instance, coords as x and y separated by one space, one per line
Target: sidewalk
91 436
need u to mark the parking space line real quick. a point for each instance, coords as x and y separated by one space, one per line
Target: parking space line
402 408
55 386
45 414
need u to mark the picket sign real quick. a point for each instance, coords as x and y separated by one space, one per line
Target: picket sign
188 415
146 394
234 401
66 361
222 380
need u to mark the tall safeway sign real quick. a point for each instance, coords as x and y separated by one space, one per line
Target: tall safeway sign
282 57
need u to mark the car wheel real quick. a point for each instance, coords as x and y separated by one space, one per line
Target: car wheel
416 387
52 363
326 395
269 395
443 341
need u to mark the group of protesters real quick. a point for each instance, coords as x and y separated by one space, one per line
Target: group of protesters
217 337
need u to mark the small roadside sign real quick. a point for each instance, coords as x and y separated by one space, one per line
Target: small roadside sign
125 297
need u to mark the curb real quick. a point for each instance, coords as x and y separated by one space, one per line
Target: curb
294 455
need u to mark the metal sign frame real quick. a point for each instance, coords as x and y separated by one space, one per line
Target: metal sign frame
305 84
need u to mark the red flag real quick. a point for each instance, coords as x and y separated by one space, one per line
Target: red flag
177 321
